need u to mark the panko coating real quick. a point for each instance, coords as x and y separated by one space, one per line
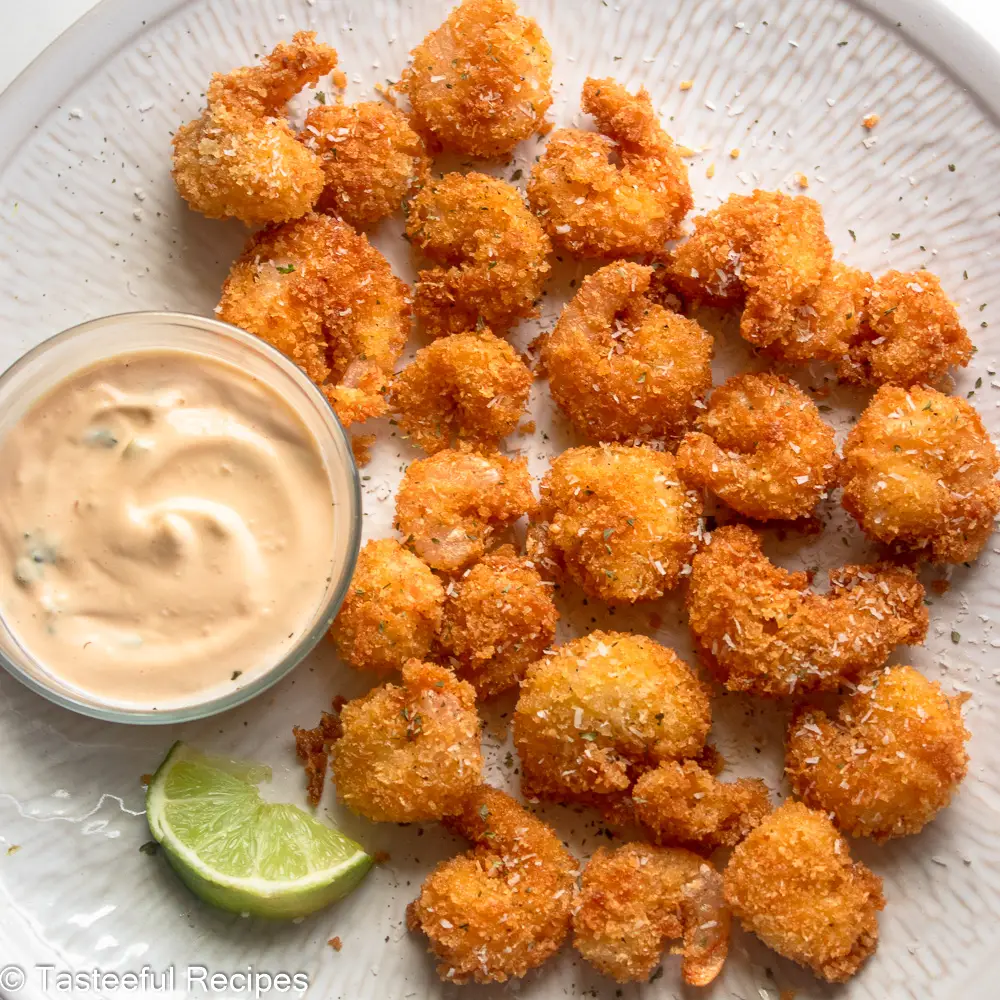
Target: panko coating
622 367
449 505
372 159
619 192
918 474
241 158
482 81
470 387
760 628
323 295
392 610
490 254
636 899
911 334
619 521
762 448
599 709
682 804
499 618
409 753
502 908
890 761
792 883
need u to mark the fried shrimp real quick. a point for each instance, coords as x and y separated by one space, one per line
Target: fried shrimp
409 753
392 610
761 629
619 521
321 294
372 160
636 898
504 907
622 367
594 207
762 448
889 763
600 708
482 81
449 505
792 883
472 387
682 804
490 254
918 474
499 617
241 159
911 334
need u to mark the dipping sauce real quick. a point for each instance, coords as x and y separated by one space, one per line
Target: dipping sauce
166 528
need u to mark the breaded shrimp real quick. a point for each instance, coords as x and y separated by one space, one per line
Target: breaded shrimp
636 898
601 707
619 521
911 334
372 160
762 448
502 908
490 254
409 753
918 474
499 617
593 207
392 610
482 81
472 387
622 367
682 804
889 763
792 883
240 159
449 505
321 294
761 629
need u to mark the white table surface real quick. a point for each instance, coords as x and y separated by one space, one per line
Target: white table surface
31 25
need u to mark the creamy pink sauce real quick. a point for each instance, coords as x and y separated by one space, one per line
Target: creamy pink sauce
166 528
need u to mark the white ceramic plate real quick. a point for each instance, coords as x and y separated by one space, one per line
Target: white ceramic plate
90 224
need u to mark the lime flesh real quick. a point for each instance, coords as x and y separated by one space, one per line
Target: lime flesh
238 852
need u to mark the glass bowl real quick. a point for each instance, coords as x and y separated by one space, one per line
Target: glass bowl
57 358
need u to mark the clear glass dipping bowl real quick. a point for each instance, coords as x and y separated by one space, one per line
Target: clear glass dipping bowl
38 371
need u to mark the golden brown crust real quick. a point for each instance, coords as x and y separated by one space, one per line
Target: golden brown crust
312 746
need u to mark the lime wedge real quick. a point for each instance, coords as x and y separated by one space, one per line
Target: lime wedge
237 851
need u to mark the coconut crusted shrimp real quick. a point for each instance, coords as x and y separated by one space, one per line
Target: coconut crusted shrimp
618 521
502 908
499 617
792 883
595 208
372 160
409 753
482 81
622 367
761 629
470 386
635 899
490 254
918 474
240 159
392 610
891 760
449 505
682 804
321 294
762 448
600 708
